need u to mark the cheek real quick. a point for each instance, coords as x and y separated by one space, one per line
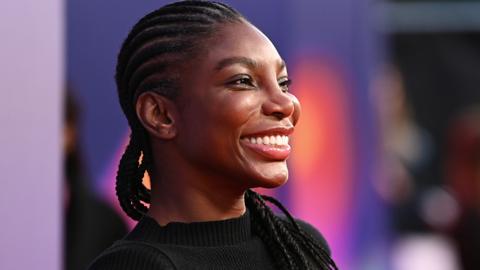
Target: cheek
232 114
212 124
237 109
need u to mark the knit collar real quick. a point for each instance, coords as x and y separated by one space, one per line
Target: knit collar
210 233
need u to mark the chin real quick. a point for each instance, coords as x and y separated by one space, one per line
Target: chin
271 179
272 184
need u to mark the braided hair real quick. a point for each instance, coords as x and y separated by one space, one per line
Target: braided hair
150 60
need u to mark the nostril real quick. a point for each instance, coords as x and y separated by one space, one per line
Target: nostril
278 115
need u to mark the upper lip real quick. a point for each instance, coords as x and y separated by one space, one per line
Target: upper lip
271 131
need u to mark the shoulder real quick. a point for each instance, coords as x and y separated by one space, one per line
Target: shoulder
137 255
311 231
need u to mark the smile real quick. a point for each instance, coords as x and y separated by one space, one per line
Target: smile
273 140
273 147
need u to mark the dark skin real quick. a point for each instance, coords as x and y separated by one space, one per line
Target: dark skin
203 161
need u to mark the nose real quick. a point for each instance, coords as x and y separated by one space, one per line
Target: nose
279 104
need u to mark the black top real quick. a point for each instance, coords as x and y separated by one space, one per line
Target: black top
227 244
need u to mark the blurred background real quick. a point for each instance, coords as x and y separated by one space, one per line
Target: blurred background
386 160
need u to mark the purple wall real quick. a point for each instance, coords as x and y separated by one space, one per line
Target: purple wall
31 69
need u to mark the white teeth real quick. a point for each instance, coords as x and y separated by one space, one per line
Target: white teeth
266 140
269 140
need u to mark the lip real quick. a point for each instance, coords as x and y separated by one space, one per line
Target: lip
271 131
269 152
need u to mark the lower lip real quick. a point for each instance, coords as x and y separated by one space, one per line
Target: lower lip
277 153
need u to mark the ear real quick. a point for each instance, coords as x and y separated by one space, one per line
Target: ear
157 114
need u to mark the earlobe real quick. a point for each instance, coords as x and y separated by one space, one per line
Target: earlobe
157 115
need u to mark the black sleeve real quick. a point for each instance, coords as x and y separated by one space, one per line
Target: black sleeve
132 255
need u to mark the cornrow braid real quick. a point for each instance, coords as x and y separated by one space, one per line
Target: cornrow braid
150 59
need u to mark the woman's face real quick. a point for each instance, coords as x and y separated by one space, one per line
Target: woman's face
235 109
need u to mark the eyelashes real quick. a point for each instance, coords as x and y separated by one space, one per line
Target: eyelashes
243 81
285 84
246 82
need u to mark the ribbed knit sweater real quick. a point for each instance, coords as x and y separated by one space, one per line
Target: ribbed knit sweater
227 244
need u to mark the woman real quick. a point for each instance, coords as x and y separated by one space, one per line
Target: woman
206 96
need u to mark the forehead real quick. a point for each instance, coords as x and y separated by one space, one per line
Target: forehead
242 40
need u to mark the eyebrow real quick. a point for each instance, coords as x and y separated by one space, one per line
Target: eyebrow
245 61
250 63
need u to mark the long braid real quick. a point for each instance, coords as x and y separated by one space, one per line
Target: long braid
267 231
313 247
292 233
300 256
151 58
127 175
276 232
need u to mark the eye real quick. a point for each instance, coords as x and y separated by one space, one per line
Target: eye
285 84
243 81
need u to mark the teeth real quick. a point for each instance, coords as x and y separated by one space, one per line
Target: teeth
268 140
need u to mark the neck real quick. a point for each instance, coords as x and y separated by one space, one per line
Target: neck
189 197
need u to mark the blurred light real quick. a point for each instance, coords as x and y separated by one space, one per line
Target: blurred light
322 159
439 208
424 252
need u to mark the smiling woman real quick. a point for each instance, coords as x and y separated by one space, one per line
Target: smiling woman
206 96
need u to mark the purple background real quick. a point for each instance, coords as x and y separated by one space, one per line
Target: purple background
31 72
